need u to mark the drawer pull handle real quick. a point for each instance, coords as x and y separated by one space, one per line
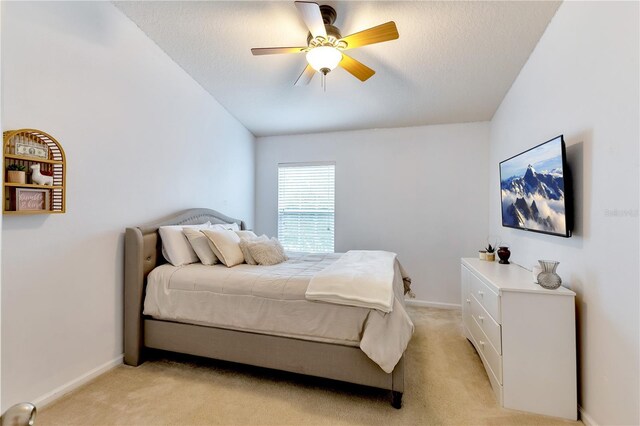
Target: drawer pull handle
468 300
481 318
482 344
481 293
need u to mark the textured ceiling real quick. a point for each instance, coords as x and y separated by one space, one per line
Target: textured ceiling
453 62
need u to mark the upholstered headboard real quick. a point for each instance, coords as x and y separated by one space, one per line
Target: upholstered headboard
142 253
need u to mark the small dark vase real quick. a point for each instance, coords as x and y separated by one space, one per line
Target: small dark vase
504 254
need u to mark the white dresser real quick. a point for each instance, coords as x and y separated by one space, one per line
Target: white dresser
525 336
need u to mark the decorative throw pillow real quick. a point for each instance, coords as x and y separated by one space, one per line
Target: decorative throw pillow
175 246
229 226
200 244
224 244
244 241
246 234
279 247
266 252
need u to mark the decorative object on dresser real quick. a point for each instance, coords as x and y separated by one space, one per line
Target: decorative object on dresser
504 254
482 254
535 271
525 336
491 253
35 150
548 277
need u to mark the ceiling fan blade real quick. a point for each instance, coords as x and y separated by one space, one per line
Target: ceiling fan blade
384 32
356 68
312 17
306 76
275 50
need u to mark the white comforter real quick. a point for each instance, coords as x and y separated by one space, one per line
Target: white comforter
361 278
271 300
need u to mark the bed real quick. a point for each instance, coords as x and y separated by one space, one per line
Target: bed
192 327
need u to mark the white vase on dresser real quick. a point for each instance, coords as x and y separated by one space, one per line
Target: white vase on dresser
525 336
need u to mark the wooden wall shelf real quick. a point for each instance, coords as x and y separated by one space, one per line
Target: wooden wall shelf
31 185
34 159
27 147
29 212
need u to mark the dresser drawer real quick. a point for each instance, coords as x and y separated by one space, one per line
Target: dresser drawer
487 297
487 324
486 351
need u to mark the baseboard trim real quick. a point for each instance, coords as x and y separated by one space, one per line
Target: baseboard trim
586 418
60 391
427 304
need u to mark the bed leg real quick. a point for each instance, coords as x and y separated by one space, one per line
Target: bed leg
396 399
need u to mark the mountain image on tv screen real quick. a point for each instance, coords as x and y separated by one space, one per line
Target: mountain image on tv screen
533 189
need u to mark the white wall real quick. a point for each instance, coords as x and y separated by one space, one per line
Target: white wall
582 80
417 191
142 139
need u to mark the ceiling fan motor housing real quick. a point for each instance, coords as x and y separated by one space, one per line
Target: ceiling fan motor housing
328 14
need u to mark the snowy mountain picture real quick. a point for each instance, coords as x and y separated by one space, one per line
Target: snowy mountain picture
533 189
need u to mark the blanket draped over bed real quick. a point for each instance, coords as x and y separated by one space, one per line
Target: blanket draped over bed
361 278
365 278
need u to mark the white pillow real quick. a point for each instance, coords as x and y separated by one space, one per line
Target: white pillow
246 234
225 245
230 226
175 246
280 248
268 252
245 249
200 245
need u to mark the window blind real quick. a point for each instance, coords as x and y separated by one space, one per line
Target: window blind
306 207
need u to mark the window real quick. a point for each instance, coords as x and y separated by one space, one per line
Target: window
306 201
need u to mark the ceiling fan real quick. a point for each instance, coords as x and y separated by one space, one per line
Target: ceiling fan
325 45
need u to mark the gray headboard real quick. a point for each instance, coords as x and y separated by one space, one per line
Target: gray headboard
142 253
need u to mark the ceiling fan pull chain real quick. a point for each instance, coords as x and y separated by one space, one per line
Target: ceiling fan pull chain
324 81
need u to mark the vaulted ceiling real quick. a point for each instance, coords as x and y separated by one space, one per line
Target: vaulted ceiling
454 61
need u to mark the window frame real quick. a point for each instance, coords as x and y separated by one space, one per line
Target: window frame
300 165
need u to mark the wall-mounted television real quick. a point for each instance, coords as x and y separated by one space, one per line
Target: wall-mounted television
535 188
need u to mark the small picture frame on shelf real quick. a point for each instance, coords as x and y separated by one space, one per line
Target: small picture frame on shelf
27 199
31 149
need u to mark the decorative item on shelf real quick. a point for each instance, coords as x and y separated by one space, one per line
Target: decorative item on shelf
482 254
548 277
504 254
535 271
491 253
16 173
32 200
39 178
26 147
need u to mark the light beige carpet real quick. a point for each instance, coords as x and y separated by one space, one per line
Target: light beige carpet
445 384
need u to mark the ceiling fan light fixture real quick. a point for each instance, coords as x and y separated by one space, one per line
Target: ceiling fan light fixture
324 58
